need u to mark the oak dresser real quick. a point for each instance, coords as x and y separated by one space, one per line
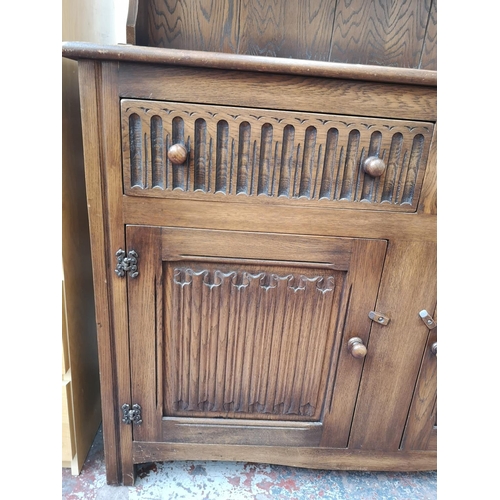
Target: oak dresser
263 236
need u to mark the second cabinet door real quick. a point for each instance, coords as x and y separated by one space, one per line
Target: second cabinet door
242 338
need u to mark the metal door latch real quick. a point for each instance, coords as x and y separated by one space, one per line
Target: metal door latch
379 318
427 319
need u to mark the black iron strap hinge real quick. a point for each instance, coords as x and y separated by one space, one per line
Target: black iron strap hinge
132 415
126 264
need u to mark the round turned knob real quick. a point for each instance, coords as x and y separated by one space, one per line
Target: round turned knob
177 154
434 348
374 166
356 347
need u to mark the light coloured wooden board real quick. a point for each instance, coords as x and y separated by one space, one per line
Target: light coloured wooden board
68 435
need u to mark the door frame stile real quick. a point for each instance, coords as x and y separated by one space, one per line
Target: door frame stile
109 114
367 254
95 154
102 152
143 340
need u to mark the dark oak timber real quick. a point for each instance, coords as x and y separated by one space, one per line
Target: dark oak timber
315 221
382 33
278 91
100 264
314 458
153 55
251 205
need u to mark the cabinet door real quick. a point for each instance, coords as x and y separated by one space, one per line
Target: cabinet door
421 425
241 338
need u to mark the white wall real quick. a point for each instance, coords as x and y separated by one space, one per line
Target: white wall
97 21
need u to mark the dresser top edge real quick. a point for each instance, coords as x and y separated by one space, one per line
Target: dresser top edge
156 55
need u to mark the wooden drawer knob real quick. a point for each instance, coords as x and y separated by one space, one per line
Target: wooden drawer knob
177 154
356 347
434 348
374 166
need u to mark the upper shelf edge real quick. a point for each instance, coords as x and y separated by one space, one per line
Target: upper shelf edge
134 53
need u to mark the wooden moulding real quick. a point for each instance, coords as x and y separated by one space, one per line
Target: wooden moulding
314 458
97 215
238 217
276 91
156 55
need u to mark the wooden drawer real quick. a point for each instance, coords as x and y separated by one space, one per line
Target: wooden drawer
269 156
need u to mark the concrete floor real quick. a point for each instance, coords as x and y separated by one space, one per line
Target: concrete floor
202 480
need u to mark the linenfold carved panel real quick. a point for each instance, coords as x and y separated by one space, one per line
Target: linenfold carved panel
251 343
276 156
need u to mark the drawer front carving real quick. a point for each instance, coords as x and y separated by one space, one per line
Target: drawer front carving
256 155
251 341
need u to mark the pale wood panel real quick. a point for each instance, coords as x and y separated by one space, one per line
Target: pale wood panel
314 458
395 351
379 32
65 347
243 88
68 435
296 28
316 221
80 336
92 21
199 24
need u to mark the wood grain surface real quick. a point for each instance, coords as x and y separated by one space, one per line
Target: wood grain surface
429 50
204 24
313 458
383 32
247 327
380 32
277 91
202 338
100 265
200 59
421 427
250 154
390 373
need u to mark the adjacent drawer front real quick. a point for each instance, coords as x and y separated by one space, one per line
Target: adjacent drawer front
266 156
